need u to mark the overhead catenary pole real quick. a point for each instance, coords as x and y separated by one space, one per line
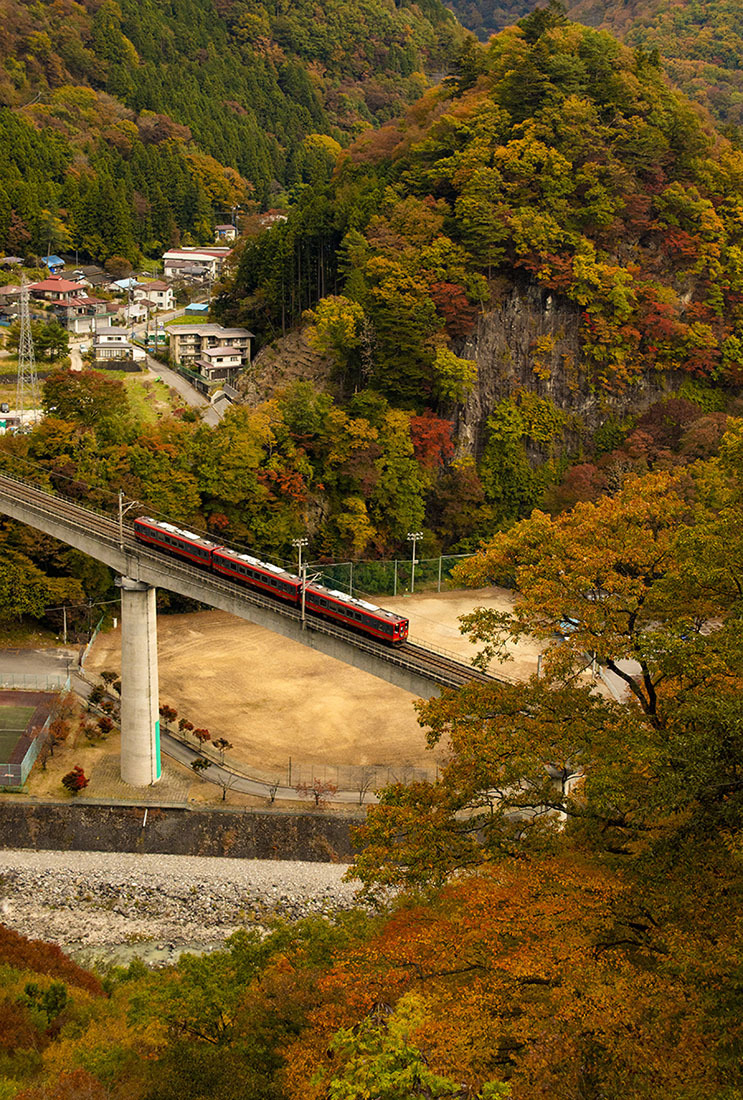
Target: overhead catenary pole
122 512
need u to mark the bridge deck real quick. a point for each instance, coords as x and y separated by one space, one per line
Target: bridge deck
418 670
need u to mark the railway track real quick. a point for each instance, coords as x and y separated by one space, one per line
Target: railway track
436 666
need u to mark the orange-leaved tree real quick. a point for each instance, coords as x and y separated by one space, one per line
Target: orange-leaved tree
543 974
613 580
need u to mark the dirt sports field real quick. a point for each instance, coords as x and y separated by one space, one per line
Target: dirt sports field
275 699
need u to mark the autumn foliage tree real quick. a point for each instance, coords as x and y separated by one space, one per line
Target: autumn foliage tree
75 780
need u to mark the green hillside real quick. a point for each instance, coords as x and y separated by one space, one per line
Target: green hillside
701 44
135 125
555 158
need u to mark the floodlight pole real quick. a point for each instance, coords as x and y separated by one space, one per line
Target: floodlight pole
413 536
300 543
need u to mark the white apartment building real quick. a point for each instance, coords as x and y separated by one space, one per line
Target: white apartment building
211 259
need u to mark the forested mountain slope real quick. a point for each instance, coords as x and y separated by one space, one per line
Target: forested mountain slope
701 44
166 114
556 160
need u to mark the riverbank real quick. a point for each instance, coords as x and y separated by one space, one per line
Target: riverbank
111 906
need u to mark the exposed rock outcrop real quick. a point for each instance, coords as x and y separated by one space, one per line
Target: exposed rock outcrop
530 339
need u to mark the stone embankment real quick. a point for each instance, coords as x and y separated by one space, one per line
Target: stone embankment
93 903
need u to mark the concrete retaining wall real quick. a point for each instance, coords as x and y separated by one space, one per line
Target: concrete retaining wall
65 826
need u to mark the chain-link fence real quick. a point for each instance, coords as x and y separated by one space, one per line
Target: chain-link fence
46 681
390 577
362 779
14 775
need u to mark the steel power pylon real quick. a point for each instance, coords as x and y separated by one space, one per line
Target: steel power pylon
27 396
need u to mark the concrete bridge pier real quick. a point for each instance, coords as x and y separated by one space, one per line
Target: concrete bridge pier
140 713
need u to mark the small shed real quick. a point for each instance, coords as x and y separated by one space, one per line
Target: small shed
197 309
54 263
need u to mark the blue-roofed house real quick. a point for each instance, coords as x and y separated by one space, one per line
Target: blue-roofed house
197 309
54 263
125 284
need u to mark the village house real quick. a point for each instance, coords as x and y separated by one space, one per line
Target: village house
225 232
9 304
186 271
112 342
211 259
189 343
92 275
53 263
77 314
55 289
219 364
158 293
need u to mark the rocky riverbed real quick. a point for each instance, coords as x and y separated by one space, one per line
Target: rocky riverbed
104 907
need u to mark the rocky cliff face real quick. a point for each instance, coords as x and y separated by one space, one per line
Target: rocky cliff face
529 339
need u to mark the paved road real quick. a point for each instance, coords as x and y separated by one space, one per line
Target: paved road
178 383
209 413
616 684
31 667
37 662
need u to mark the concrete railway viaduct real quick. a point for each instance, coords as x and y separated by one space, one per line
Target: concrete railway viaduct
140 571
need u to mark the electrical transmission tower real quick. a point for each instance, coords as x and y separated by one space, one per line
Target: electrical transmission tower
27 397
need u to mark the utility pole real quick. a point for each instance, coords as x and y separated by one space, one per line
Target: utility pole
27 394
413 536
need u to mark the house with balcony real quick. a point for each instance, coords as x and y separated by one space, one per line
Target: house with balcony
158 293
189 343
78 314
210 259
219 364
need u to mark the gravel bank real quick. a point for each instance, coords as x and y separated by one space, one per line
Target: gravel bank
93 904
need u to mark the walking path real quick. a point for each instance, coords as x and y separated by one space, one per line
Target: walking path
232 780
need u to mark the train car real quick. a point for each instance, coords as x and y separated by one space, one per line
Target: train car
261 575
174 540
272 580
358 614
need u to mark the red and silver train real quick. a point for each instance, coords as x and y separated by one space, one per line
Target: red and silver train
273 581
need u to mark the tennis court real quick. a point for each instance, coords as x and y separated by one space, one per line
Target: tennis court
22 715
14 721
